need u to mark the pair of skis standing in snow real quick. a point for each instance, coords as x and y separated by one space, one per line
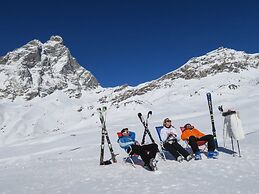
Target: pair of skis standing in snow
141 150
148 152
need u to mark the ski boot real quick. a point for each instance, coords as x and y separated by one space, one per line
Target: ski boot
212 155
197 156
189 157
152 164
179 159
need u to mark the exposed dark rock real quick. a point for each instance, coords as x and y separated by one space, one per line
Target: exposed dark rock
232 86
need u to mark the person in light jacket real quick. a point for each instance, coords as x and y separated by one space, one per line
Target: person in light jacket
170 137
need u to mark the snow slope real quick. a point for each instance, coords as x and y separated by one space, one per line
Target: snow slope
52 144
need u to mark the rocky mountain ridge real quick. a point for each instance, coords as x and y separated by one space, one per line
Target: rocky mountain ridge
215 62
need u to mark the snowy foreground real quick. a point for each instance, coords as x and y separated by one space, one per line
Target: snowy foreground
49 146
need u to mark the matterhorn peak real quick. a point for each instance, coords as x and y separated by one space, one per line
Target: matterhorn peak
56 39
39 69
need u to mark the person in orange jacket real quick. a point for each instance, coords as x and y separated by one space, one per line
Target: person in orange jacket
192 135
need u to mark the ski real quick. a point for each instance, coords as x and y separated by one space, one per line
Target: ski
101 112
212 118
145 124
102 139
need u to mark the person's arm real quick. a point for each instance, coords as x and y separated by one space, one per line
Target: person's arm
177 133
132 135
163 134
198 133
125 142
184 136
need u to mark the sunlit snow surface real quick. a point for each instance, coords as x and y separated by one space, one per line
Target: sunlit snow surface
48 145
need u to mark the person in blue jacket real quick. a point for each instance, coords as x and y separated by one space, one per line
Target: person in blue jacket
147 152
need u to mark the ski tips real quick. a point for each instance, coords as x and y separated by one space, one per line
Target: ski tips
208 95
149 113
220 108
102 109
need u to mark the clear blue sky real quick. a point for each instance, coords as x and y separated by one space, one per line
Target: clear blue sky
132 41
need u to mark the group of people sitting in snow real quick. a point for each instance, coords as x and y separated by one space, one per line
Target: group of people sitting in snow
170 141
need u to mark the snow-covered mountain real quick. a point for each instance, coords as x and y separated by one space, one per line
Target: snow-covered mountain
52 144
48 70
222 60
39 69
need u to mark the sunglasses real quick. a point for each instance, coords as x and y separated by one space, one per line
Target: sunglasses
169 121
126 131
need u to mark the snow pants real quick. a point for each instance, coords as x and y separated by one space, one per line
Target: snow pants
176 149
146 152
193 142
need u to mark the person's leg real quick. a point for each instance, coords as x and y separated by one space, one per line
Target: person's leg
180 149
210 140
152 149
169 147
193 143
137 149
